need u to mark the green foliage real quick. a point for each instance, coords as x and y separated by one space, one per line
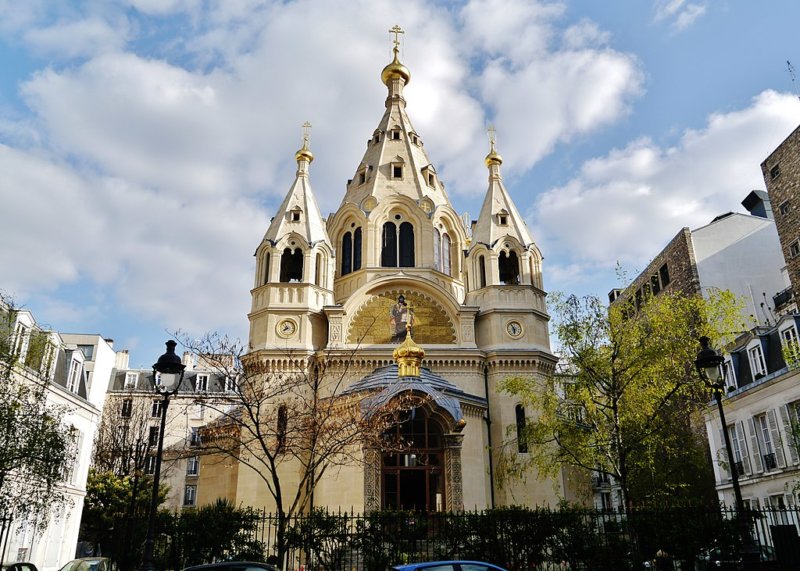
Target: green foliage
791 354
624 403
323 536
217 531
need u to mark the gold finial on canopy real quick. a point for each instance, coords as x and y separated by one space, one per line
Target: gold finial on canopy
305 153
409 355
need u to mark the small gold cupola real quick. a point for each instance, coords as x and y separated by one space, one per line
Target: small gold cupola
395 69
409 356
305 154
493 158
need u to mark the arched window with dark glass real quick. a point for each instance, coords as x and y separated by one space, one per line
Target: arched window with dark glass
267 260
406 245
357 250
389 246
318 269
347 253
508 266
481 271
292 265
522 445
437 244
446 267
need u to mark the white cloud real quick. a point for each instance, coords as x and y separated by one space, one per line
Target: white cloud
638 197
85 37
678 13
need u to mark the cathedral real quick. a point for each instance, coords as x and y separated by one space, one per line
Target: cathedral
395 267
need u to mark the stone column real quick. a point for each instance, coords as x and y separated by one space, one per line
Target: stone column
452 472
372 480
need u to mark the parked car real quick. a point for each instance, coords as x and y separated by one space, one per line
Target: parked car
90 564
449 566
233 566
19 566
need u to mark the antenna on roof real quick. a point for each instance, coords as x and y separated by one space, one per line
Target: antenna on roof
793 75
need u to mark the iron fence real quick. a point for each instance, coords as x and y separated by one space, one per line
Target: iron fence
676 538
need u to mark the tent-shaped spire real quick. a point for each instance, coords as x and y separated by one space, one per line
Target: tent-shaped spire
499 216
395 162
299 213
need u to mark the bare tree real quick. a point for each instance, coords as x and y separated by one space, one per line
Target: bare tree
299 416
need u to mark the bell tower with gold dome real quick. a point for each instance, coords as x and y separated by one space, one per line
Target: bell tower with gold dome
395 275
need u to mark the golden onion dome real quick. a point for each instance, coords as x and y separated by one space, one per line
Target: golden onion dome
493 158
304 154
395 69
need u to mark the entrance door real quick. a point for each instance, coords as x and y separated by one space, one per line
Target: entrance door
413 479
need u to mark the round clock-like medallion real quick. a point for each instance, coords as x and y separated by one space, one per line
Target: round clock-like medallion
514 329
287 328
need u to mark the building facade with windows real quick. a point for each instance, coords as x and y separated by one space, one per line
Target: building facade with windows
75 370
133 410
736 252
396 257
781 171
762 412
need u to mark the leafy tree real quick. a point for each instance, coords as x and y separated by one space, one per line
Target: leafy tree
624 404
37 448
293 425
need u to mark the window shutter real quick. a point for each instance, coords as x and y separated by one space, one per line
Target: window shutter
776 438
788 429
748 469
759 465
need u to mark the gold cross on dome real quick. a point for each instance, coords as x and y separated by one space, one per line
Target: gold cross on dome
397 30
492 136
306 130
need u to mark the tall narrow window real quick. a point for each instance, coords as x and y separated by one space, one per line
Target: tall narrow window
267 260
406 245
522 445
508 264
357 250
280 432
389 246
481 271
292 265
437 245
318 270
446 255
347 253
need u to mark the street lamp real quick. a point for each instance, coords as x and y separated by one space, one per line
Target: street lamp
709 365
167 377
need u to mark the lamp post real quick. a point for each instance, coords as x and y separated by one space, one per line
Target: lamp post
709 365
167 377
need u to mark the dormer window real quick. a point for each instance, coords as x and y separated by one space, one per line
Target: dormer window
130 380
395 134
362 177
414 138
201 383
502 218
74 376
758 365
294 215
429 174
376 137
396 167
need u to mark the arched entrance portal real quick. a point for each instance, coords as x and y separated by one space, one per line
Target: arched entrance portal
414 479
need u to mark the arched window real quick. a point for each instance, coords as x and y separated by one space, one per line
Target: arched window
292 265
446 268
508 265
347 253
522 445
318 270
406 245
357 250
437 245
481 272
267 260
396 247
389 246
441 252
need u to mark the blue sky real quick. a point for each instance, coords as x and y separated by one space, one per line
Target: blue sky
145 143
